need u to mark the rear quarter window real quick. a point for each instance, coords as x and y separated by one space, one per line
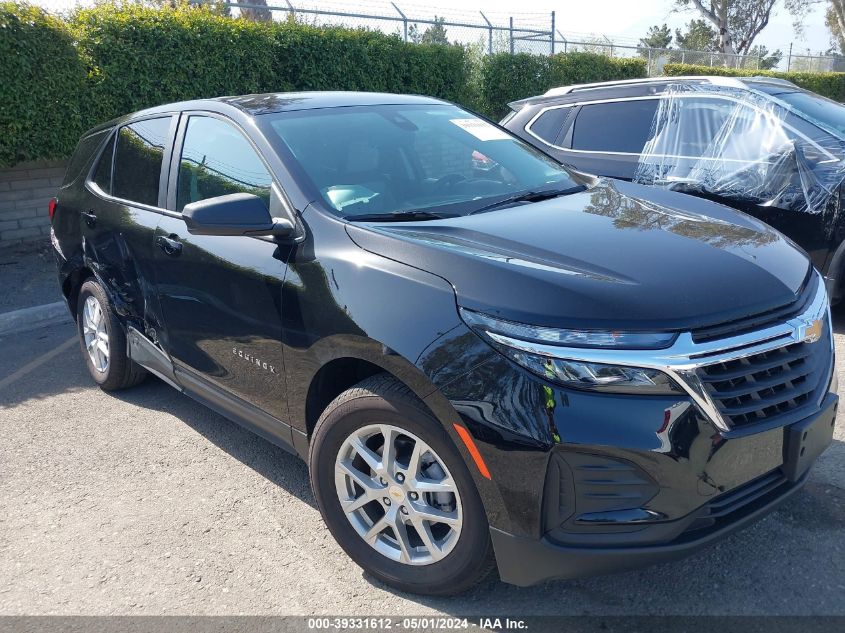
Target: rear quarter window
548 125
102 174
82 155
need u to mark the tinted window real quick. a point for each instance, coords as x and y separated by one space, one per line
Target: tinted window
622 126
137 161
388 158
548 125
102 175
828 113
218 160
84 149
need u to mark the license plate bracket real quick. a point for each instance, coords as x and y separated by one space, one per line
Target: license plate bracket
804 441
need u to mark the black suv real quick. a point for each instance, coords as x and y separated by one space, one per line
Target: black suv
758 144
477 352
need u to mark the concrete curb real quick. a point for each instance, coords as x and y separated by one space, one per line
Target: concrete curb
33 318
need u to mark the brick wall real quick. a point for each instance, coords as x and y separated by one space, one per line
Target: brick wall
25 191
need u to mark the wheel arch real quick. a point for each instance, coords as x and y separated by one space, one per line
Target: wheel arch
835 273
72 284
341 366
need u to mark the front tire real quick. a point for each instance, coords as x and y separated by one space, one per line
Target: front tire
396 494
103 341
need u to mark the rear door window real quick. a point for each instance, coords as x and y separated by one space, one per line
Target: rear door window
619 126
138 159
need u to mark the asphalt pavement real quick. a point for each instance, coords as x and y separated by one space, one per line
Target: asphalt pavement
144 502
29 276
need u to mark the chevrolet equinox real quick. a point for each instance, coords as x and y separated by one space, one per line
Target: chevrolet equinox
485 359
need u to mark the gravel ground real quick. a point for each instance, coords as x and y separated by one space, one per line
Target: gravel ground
145 502
31 270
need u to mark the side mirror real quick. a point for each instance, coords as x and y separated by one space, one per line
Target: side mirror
234 214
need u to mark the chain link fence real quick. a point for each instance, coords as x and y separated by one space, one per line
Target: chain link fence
496 32
487 32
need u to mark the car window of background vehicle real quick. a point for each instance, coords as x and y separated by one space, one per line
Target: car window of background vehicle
614 127
829 113
548 126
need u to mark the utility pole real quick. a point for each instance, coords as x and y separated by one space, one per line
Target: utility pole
789 58
552 34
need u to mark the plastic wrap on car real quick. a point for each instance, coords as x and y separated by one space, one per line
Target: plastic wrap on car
742 145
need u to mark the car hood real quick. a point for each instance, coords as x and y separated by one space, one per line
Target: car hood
618 255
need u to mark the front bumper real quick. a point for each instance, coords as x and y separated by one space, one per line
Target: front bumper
634 541
523 561
585 482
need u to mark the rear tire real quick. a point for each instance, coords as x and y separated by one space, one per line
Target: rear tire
103 341
431 557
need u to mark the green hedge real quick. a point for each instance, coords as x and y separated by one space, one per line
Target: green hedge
139 56
59 77
334 58
830 85
506 77
42 86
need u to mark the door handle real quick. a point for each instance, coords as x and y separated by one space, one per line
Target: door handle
170 245
90 218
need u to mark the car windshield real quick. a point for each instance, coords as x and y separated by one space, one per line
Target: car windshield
829 114
435 159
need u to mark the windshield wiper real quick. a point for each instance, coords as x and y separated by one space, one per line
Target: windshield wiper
398 216
531 196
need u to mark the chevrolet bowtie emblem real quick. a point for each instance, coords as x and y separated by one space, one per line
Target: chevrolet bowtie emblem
812 331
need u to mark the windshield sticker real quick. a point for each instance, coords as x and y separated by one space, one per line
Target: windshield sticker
481 130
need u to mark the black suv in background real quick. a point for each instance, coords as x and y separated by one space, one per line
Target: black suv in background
758 144
476 351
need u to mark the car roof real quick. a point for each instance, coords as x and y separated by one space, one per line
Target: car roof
272 102
655 84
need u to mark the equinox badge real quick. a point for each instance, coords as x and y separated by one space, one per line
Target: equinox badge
255 361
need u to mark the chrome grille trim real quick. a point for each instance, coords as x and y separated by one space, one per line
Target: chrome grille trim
682 360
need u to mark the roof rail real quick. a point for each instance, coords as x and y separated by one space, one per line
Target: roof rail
735 82
771 80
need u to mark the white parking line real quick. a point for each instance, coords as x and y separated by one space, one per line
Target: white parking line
35 364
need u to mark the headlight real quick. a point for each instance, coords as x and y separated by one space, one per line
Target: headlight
569 338
532 347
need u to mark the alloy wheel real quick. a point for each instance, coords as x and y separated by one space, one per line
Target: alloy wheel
95 334
398 494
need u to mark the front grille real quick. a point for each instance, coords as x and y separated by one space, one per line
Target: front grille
780 384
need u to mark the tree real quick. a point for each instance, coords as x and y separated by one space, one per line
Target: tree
657 37
738 22
699 36
767 60
835 19
256 14
434 34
